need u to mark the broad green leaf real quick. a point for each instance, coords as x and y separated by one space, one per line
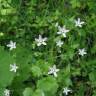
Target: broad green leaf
36 71
6 76
48 84
28 92
38 92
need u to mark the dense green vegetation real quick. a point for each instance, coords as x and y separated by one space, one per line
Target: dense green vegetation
47 47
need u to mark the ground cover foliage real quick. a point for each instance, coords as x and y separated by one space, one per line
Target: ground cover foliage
47 47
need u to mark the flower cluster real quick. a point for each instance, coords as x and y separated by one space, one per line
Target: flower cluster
62 31
12 45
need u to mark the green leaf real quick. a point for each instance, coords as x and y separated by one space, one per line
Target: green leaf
92 77
23 58
36 71
6 76
75 3
28 92
38 92
40 68
48 84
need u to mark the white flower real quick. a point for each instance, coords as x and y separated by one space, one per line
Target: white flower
11 45
53 71
13 67
79 23
62 31
82 52
59 43
6 92
41 41
66 90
